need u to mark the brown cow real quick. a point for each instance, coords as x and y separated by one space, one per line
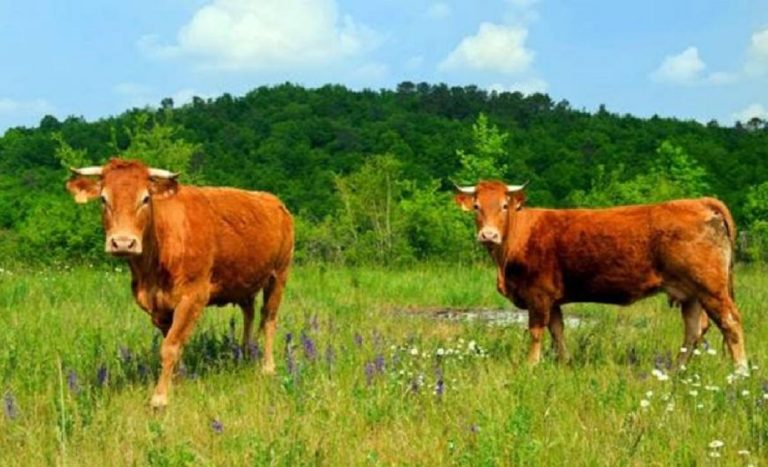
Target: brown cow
549 257
189 247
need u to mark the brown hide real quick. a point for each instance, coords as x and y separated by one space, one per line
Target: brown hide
550 257
189 247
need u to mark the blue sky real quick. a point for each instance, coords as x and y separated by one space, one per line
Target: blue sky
688 59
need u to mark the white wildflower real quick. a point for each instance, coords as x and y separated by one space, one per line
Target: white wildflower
711 351
699 406
671 407
415 352
742 452
440 352
696 352
649 394
714 454
711 388
745 392
645 403
472 346
693 392
716 444
683 349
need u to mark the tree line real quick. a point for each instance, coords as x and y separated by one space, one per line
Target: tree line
368 174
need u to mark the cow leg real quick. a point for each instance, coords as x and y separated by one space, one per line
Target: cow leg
248 313
273 293
538 319
723 312
556 328
186 314
692 319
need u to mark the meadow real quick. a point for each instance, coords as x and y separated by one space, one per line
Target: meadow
367 375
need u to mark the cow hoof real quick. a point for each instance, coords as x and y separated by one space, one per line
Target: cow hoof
159 401
268 370
742 370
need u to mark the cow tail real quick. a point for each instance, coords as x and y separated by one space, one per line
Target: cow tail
730 230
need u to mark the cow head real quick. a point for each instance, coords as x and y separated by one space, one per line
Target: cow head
126 189
492 202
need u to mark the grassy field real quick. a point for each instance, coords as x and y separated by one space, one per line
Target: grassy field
362 381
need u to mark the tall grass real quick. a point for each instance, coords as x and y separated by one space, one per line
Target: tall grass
364 377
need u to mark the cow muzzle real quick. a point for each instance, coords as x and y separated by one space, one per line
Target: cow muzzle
489 235
123 245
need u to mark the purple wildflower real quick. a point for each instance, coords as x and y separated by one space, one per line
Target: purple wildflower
378 363
310 351
358 339
102 375
72 382
217 426
9 405
370 372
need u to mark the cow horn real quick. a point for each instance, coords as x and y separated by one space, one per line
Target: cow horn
513 188
94 171
161 173
469 190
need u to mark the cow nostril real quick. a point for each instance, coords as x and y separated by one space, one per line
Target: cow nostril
132 244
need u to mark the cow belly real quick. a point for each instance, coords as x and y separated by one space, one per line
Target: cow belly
611 289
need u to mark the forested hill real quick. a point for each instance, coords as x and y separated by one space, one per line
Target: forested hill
296 141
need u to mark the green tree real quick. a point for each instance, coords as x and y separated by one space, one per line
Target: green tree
486 161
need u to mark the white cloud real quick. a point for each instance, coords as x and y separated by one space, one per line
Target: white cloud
529 86
757 55
439 10
750 112
496 48
369 73
266 35
683 68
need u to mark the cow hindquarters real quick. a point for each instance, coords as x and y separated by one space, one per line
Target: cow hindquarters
721 309
273 294
185 316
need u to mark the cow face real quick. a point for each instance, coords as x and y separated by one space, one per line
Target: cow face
492 203
126 190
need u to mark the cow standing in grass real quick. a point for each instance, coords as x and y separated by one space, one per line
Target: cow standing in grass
549 257
189 247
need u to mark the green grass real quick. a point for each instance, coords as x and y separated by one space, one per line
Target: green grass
59 329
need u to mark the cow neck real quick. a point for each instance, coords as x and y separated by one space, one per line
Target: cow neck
148 262
509 245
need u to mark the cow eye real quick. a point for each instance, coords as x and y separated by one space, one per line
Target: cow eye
145 199
103 200
477 206
505 206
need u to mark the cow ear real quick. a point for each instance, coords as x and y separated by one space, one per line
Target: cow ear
163 187
84 189
464 200
517 199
